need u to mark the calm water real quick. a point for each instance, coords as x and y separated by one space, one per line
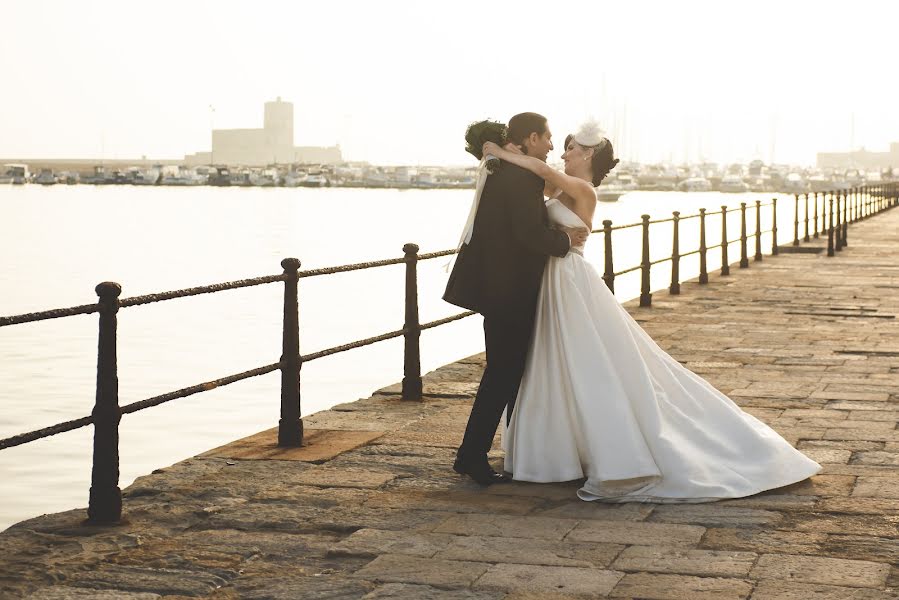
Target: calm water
57 243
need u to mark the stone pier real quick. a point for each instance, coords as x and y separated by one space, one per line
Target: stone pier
371 509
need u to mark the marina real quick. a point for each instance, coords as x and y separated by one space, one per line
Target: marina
628 177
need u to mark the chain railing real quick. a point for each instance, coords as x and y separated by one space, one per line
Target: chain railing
837 209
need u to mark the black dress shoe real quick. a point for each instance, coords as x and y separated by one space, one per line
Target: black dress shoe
482 474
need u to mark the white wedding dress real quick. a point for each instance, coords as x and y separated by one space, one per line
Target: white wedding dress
600 400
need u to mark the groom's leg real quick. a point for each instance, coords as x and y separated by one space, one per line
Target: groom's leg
507 344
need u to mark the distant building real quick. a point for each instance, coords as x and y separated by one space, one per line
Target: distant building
860 159
269 145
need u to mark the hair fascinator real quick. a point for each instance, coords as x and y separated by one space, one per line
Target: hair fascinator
590 134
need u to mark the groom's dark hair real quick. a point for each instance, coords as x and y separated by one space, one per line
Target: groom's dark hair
523 125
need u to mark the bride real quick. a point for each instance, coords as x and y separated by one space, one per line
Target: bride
600 400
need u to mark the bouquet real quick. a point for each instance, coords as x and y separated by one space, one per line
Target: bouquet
485 131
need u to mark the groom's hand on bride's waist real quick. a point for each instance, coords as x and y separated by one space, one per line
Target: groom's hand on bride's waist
576 235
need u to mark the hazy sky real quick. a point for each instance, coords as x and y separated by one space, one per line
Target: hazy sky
397 82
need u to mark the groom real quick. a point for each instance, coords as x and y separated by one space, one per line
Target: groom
498 275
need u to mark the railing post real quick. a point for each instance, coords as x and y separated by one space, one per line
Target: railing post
744 257
290 426
105 504
845 234
758 230
774 249
609 275
854 204
412 354
806 238
645 296
815 221
839 230
674 288
725 264
796 221
830 251
703 272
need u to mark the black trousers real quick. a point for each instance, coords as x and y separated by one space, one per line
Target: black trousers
507 341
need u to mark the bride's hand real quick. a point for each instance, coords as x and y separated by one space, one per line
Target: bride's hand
491 148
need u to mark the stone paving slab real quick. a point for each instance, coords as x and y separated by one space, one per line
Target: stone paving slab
370 509
320 445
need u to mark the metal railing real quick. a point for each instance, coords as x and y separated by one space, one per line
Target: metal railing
837 209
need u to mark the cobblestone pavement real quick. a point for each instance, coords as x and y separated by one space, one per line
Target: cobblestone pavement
371 509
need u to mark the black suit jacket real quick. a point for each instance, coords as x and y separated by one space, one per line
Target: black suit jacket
498 273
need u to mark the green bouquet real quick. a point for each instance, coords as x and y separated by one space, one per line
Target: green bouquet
485 131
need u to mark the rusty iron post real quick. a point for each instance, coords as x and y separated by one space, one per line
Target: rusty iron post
674 288
725 264
796 221
105 503
774 249
844 236
645 296
703 272
758 230
290 426
609 275
806 238
830 250
854 204
815 217
744 257
412 389
838 233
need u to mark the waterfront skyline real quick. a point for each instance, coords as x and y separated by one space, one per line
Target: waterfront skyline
397 83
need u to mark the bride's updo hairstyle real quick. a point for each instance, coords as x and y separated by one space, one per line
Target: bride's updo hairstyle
591 136
522 125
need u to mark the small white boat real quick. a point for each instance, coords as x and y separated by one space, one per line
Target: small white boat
98 177
795 184
184 177
146 177
610 195
264 178
17 174
294 179
69 177
46 177
315 180
695 184
733 184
